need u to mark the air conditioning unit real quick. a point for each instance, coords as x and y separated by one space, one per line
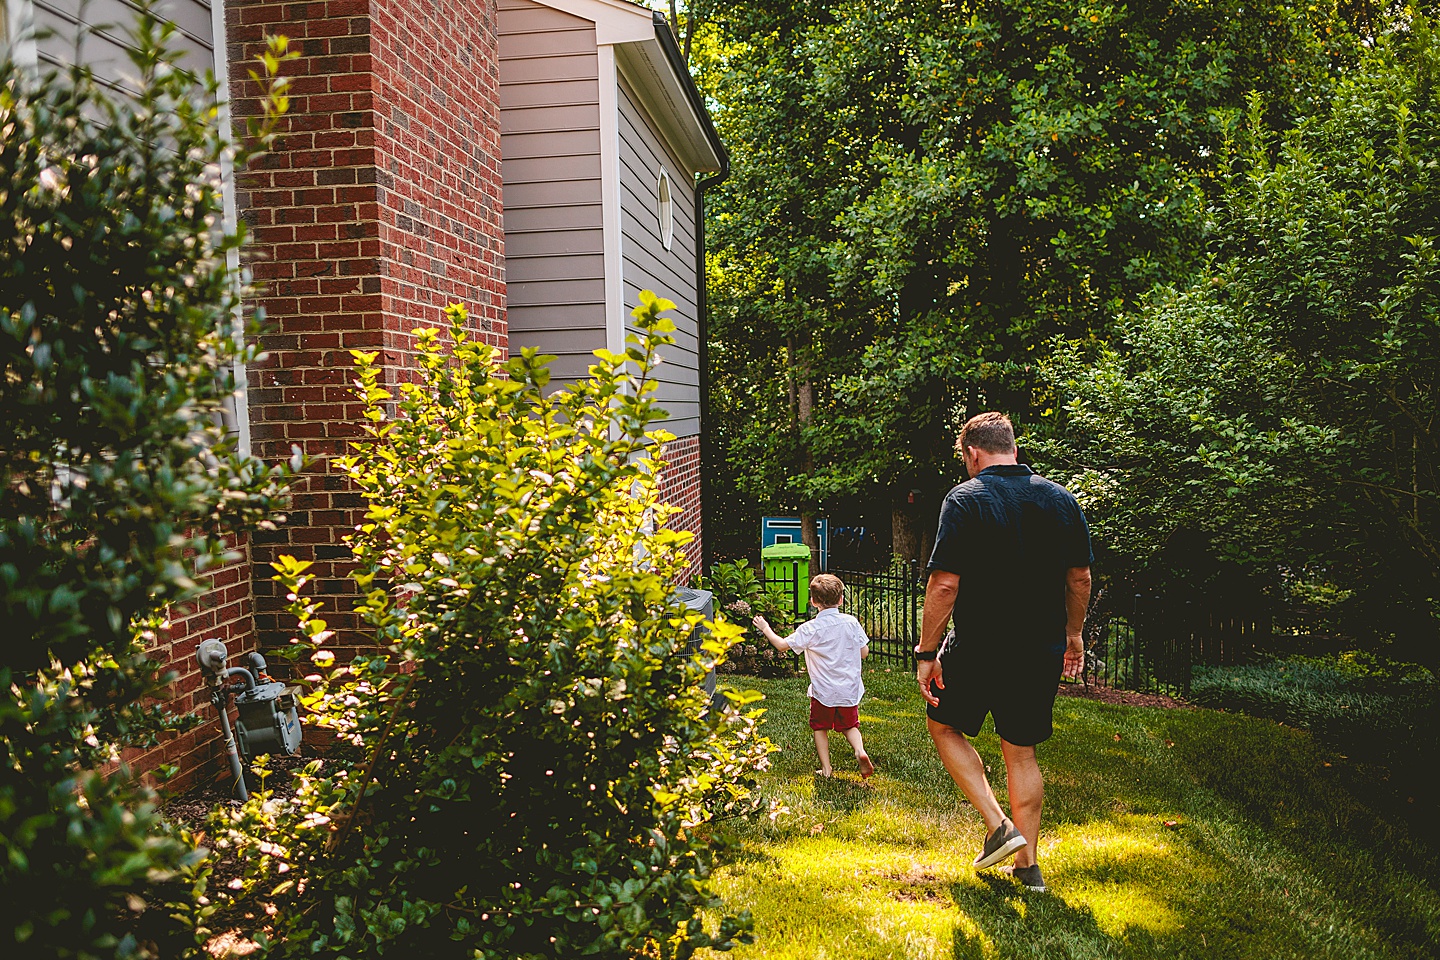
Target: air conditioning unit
703 602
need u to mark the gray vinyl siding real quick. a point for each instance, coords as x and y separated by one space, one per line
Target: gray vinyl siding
550 169
647 265
104 29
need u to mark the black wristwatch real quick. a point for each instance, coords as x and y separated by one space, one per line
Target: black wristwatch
926 654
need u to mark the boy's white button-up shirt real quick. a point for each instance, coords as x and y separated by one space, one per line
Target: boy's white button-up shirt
832 643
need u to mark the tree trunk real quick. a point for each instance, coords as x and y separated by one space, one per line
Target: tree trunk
913 525
810 536
906 529
804 410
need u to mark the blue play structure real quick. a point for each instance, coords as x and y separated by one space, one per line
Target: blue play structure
775 530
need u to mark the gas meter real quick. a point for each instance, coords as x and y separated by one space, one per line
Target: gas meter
268 721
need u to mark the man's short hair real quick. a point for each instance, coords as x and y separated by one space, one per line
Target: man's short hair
991 432
826 588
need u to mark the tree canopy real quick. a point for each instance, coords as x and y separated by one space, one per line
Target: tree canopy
923 194
1277 421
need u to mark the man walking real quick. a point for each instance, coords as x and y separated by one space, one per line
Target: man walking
1012 567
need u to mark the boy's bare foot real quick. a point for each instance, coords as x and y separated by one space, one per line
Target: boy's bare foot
822 773
867 769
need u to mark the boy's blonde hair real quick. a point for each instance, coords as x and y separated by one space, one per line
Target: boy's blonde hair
827 589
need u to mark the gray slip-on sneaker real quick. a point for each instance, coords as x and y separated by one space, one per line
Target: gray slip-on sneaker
1029 877
1001 844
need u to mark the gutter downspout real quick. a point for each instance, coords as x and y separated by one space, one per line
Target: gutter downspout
702 310
666 37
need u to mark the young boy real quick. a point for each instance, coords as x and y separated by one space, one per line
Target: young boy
834 643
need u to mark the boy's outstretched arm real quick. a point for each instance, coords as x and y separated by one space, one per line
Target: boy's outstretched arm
763 625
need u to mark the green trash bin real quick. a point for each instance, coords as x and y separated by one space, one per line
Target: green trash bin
787 565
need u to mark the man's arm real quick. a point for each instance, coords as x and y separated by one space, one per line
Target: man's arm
940 592
764 627
1077 602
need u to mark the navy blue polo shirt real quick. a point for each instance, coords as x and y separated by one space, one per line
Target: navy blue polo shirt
1011 535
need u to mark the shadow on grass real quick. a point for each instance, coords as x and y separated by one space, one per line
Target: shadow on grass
842 794
1014 923
1308 798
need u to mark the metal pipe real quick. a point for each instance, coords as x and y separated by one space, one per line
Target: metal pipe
245 675
221 699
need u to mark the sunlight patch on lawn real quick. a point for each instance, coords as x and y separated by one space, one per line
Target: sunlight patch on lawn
1126 872
838 898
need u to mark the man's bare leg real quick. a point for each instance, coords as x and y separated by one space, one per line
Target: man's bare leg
968 771
861 757
1027 793
822 747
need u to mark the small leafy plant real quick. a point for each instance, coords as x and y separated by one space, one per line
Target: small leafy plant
740 594
537 767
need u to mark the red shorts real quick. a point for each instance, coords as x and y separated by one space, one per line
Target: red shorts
833 718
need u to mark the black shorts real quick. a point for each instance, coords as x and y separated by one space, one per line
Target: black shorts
1019 692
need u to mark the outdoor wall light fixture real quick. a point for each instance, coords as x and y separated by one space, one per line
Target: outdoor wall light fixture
268 721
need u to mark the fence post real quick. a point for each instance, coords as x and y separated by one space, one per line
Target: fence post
1135 632
795 590
1187 642
912 594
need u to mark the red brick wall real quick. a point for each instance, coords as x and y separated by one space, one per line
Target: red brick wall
223 611
680 486
437 127
379 204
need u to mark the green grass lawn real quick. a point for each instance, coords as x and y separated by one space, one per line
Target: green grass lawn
1168 833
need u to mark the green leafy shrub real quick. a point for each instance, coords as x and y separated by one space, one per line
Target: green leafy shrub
119 331
736 586
539 766
1343 708
741 593
760 659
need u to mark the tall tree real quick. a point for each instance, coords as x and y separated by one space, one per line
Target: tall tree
1279 419
778 331
925 192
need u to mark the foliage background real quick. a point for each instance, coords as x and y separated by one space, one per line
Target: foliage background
924 192
119 332
1267 434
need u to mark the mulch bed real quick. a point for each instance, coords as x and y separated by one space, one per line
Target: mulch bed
192 809
1128 698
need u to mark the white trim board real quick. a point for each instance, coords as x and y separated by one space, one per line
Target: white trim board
610 187
20 34
616 21
629 30
241 400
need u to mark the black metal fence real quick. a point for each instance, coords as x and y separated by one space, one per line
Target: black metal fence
1156 644
1152 647
1141 651
888 605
